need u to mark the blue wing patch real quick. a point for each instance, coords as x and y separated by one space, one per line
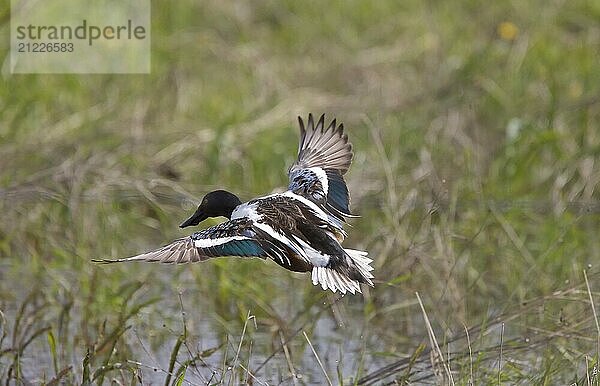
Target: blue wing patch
337 194
213 244
245 248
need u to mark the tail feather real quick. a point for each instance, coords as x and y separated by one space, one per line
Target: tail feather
362 264
334 280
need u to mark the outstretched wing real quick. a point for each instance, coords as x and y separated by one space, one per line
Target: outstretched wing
231 238
324 156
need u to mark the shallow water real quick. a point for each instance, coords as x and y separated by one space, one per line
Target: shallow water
337 339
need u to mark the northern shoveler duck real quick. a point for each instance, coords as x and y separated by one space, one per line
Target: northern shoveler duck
300 229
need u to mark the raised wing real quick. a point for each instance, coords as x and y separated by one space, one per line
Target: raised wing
324 156
231 238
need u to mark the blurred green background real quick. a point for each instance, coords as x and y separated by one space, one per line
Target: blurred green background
476 173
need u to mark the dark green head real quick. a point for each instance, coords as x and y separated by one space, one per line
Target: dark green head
215 204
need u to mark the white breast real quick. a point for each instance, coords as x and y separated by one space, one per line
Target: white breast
246 211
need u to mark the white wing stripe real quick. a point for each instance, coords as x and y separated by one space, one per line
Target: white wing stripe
205 243
315 257
322 176
318 211
278 236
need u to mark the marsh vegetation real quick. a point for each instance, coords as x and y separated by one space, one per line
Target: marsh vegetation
476 175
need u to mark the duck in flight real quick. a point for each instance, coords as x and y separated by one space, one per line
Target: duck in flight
300 229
